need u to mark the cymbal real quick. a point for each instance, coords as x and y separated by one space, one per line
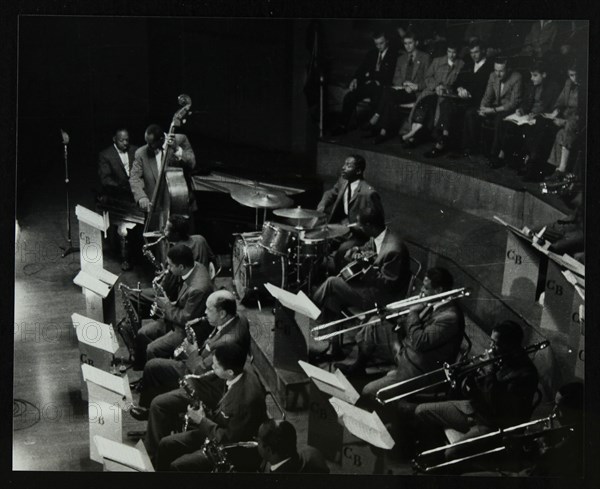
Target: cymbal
298 213
330 231
261 198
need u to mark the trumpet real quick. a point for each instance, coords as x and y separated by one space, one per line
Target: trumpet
495 442
391 311
447 374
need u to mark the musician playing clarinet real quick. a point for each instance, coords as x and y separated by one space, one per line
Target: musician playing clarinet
498 395
385 278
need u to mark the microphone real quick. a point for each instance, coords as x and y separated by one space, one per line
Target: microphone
65 137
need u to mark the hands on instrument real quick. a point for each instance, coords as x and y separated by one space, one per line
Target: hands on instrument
195 415
177 150
144 204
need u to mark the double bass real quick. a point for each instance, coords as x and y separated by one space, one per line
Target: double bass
176 198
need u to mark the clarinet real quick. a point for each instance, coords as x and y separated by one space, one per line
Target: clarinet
186 384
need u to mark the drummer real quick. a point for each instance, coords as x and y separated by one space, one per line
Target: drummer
345 200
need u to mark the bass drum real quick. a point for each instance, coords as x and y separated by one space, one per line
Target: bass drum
253 266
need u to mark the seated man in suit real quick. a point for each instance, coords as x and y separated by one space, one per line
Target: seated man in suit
440 77
159 338
277 448
225 325
498 395
468 89
342 203
407 83
375 72
148 162
428 337
230 415
502 97
114 167
383 282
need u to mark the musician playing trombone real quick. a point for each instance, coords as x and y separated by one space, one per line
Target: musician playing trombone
385 281
430 335
498 395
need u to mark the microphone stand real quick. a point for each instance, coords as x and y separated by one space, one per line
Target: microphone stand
69 248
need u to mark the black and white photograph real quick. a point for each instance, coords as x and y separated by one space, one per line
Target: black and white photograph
299 247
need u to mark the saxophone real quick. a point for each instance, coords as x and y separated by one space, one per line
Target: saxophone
155 311
190 336
187 384
150 256
130 324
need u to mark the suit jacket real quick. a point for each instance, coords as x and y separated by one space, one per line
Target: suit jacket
539 41
431 340
388 279
191 299
511 95
474 82
239 413
332 202
113 178
440 73
567 101
421 63
549 91
366 71
144 171
237 331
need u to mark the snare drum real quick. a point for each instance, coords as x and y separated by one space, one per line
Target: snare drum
253 267
277 238
313 248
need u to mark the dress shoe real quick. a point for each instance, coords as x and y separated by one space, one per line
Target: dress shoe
557 176
380 138
495 162
434 152
353 370
139 413
137 385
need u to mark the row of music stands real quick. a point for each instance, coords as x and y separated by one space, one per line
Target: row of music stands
106 390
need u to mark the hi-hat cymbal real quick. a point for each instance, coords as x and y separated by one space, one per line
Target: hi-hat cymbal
298 213
261 198
330 231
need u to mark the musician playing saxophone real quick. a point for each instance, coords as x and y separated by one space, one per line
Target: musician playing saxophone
159 338
161 375
498 396
385 281
232 414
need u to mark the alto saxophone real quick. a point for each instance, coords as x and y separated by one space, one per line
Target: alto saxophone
130 324
190 336
155 311
186 383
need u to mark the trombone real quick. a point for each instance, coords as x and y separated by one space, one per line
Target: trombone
487 444
446 374
391 311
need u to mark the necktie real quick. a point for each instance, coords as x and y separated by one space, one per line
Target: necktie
378 65
348 197
410 67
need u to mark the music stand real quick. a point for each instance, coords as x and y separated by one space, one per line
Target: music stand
67 250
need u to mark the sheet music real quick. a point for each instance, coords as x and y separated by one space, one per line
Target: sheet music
94 333
296 302
92 218
519 120
564 261
120 452
114 383
362 424
90 282
521 232
333 384
103 275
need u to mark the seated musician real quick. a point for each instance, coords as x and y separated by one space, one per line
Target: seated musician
277 448
148 162
176 232
346 199
384 282
161 375
227 415
428 336
159 338
114 167
498 395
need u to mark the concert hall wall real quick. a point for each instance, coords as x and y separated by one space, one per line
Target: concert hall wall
90 75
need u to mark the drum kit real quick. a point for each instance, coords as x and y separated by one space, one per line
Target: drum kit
282 249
